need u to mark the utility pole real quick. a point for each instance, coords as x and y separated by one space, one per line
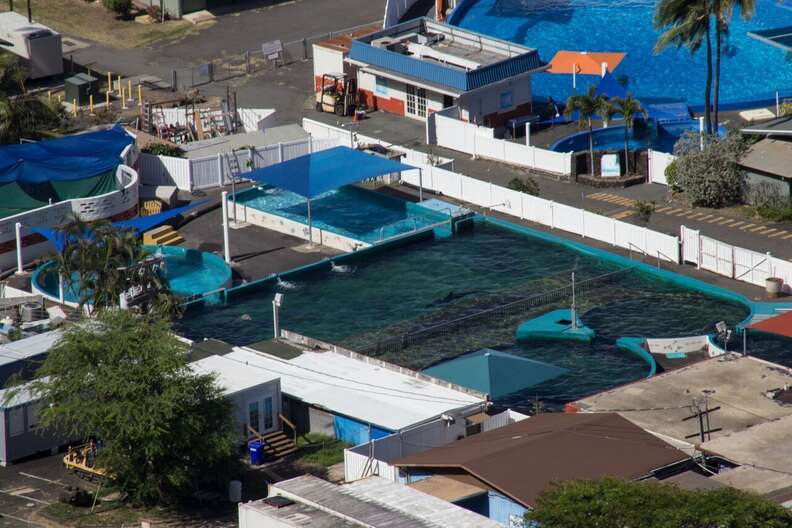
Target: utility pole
30 13
701 412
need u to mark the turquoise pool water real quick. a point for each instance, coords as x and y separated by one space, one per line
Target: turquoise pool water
408 288
751 69
188 271
660 137
349 211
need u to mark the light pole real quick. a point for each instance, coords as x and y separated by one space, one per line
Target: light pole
277 302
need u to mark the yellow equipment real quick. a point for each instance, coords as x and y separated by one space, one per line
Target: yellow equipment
81 460
336 94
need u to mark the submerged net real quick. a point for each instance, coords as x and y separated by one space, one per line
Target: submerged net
490 310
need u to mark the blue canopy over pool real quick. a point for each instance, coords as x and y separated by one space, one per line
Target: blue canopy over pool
64 159
314 174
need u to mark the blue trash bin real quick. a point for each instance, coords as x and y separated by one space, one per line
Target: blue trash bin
256 449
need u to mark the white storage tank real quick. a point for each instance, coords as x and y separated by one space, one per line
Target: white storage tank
41 47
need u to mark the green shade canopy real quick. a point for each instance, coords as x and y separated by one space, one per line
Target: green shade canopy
493 372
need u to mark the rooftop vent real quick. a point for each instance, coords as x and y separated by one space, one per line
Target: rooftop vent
278 502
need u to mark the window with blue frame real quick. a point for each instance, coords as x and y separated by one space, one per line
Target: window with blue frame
381 87
506 100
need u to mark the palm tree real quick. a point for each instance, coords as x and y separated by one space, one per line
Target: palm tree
587 106
94 264
629 108
722 11
687 25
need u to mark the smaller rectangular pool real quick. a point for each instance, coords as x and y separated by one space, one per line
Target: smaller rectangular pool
351 212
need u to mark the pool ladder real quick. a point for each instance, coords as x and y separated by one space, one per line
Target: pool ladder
382 229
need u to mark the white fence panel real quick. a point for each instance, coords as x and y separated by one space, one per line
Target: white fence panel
447 182
503 419
753 267
664 247
568 218
490 148
295 149
537 210
691 249
598 227
629 237
658 163
164 170
254 118
507 201
717 256
476 191
204 172
266 156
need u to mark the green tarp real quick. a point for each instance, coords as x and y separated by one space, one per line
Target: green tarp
20 197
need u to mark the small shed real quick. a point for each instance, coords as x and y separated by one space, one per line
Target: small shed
80 88
38 45
768 169
256 396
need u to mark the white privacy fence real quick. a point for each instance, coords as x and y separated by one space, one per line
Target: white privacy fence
252 119
733 261
447 131
658 163
633 238
214 171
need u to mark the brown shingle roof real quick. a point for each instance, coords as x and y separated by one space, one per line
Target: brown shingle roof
522 459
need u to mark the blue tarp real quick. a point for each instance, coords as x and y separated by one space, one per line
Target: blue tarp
65 159
140 224
313 174
354 432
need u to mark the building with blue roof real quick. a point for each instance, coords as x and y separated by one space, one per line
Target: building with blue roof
422 66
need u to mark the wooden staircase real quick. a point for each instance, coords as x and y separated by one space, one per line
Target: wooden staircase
278 445
163 236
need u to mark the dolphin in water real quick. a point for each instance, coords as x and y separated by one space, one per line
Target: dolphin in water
451 297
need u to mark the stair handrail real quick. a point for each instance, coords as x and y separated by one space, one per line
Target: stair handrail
286 421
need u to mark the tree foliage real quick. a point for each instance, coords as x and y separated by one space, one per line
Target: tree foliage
629 107
23 116
94 260
163 149
612 503
709 177
164 431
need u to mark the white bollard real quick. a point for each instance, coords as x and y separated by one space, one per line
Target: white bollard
18 233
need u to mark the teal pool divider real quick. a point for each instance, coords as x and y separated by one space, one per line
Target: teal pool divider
635 345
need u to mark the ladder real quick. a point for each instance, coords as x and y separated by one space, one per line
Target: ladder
232 162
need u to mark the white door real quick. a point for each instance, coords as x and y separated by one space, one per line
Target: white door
416 102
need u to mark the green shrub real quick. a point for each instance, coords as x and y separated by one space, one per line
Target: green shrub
645 210
709 177
163 149
122 7
527 185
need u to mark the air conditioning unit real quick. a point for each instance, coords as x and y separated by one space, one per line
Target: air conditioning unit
384 42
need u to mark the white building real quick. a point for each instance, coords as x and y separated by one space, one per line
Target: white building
356 398
256 397
421 66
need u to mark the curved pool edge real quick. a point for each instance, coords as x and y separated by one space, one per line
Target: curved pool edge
635 346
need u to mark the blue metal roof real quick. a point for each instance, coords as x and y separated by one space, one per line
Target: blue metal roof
443 75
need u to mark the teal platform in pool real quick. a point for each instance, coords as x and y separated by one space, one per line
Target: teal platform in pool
493 372
555 325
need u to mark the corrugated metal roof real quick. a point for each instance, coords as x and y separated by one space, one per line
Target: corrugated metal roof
377 502
28 347
364 391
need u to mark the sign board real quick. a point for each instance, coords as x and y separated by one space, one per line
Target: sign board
610 167
272 49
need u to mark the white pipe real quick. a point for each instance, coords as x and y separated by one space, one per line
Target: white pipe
528 134
310 224
226 245
604 69
61 293
275 319
574 76
778 107
18 233
701 132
